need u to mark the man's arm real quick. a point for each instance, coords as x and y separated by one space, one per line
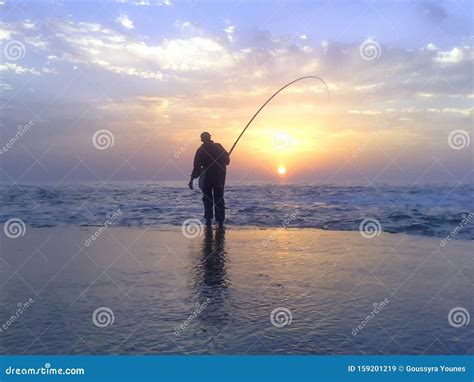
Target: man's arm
196 168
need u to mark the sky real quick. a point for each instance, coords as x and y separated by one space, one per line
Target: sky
121 90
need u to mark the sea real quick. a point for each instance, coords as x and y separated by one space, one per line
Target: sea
426 210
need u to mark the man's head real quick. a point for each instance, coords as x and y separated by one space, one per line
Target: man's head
205 137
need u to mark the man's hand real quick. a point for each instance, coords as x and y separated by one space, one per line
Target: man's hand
190 184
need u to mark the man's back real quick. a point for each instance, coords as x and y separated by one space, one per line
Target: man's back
214 154
211 158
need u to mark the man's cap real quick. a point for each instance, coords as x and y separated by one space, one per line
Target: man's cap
205 136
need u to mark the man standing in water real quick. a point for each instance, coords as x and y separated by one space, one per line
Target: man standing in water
210 164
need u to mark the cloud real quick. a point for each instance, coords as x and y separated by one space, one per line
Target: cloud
194 57
28 24
183 25
229 30
6 31
92 44
5 34
17 69
125 22
146 3
454 55
142 3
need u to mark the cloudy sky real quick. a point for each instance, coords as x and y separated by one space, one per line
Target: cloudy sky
120 90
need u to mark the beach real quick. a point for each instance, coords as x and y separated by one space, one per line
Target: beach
154 290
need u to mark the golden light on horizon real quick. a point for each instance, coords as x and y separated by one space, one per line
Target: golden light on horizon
281 169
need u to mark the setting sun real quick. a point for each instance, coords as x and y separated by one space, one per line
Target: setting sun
282 170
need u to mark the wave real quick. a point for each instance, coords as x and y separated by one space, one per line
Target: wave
421 210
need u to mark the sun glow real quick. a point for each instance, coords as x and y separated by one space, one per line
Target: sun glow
282 170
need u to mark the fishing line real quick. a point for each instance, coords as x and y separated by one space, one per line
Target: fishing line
268 100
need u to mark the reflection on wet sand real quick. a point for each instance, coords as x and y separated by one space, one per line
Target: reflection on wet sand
213 259
212 281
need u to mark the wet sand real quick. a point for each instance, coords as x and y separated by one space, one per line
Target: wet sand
165 293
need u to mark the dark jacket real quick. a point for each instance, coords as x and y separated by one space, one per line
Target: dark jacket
210 162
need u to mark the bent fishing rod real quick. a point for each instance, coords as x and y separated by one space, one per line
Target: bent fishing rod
273 96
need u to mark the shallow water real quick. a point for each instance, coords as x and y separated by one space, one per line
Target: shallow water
221 288
418 210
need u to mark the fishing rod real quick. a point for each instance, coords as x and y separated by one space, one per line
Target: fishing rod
268 100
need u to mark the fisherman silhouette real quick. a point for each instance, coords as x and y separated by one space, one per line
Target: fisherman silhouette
210 164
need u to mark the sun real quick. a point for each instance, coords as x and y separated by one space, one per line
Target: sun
282 170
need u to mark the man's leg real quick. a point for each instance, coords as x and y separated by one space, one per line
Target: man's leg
219 204
207 200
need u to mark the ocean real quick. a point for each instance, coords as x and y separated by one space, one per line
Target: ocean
416 210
